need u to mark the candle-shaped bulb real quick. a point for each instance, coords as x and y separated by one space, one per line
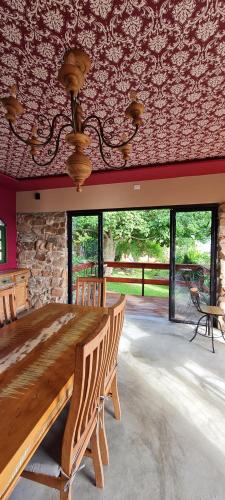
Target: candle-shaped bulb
133 95
34 131
13 90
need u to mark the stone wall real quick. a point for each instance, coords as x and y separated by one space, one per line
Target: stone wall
221 258
42 248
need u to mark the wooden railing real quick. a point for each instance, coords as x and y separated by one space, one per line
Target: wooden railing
138 265
84 266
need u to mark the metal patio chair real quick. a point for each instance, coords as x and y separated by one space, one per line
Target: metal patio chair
208 315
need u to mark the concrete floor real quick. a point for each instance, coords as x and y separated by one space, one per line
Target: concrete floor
170 444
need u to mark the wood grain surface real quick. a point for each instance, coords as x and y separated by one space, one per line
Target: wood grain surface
36 376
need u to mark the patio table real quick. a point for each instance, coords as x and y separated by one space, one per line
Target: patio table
36 379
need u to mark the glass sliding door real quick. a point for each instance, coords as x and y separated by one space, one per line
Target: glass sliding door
192 260
85 248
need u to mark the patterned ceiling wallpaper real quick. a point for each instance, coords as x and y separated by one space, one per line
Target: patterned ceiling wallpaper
171 52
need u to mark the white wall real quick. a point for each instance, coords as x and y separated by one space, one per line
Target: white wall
163 192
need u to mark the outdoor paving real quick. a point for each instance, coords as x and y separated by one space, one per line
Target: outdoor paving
136 304
170 444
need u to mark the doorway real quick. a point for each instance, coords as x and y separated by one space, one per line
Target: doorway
193 233
152 253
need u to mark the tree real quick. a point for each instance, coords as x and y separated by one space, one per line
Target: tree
133 233
139 232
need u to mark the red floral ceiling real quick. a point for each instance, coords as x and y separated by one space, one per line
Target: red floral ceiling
171 52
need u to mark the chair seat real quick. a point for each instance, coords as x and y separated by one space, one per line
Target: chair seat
43 463
214 310
47 458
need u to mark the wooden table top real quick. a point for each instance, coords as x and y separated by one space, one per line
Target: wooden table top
36 378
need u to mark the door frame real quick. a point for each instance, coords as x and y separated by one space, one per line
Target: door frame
213 257
70 216
214 233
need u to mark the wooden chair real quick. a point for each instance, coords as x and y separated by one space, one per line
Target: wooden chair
91 291
110 382
208 315
7 305
82 422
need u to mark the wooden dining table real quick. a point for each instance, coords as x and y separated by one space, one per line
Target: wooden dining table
37 361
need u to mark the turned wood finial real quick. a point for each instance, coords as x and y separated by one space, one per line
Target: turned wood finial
33 141
12 105
74 69
79 168
135 110
79 165
126 149
133 95
34 131
13 90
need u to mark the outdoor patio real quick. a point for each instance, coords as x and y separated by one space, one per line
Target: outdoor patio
171 439
145 306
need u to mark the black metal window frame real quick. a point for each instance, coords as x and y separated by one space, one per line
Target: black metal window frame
213 207
70 216
2 242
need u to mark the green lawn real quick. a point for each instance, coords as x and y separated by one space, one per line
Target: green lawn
136 289
133 289
137 273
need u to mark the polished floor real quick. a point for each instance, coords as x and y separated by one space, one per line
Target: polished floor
170 444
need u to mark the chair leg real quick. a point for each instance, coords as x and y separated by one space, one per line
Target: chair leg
207 326
211 332
115 398
199 321
96 457
103 439
66 495
195 333
197 327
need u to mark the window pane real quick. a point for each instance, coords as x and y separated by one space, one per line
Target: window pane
2 242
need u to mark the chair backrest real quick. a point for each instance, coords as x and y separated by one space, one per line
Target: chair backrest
195 297
116 325
91 291
7 305
90 365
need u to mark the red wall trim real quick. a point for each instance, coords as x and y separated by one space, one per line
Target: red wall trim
203 167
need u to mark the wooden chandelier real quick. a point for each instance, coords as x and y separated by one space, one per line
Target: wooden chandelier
72 76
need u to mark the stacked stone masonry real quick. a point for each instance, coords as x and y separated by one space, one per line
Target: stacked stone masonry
42 248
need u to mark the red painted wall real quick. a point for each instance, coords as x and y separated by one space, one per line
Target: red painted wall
8 215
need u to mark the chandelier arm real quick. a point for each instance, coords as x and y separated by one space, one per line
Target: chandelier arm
16 133
49 138
41 118
56 148
111 167
114 146
52 127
